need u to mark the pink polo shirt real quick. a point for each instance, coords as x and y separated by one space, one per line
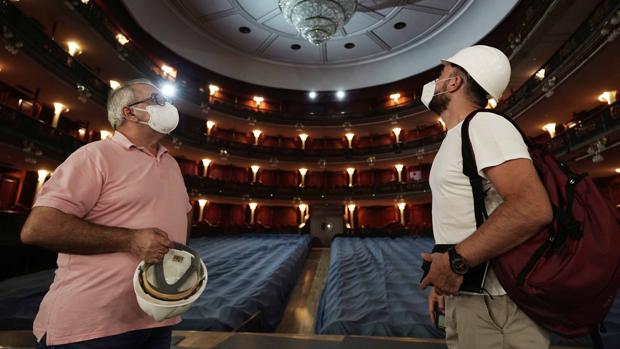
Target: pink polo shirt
114 183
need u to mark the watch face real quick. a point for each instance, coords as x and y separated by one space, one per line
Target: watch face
459 266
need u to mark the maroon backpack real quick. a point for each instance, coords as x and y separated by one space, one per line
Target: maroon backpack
566 277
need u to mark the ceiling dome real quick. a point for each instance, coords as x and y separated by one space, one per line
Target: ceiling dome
252 41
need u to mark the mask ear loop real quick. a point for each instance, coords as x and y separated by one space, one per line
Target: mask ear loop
444 92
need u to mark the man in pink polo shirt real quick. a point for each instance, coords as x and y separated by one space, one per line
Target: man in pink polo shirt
111 204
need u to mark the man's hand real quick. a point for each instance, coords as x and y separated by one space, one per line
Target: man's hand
446 282
149 244
435 302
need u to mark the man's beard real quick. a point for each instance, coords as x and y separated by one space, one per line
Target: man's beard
439 103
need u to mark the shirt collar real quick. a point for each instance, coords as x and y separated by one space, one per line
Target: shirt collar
124 142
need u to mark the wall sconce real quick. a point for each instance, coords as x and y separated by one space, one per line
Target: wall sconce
550 127
82 133
395 97
121 39
350 139
396 131
252 206
202 203
205 165
399 170
256 134
210 125
258 100
350 171
169 72
73 48
213 89
58 109
42 174
303 138
351 208
401 208
302 209
491 103
443 124
105 134
608 97
302 172
114 84
255 169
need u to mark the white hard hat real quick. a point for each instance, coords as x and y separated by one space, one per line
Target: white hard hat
170 287
488 66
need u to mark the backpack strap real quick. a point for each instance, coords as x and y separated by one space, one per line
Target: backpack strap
469 164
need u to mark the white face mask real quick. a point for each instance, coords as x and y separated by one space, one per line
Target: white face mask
428 91
163 119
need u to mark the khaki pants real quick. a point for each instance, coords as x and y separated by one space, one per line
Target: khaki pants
479 322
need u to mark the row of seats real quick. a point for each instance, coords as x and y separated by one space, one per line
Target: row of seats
281 142
313 179
235 215
384 216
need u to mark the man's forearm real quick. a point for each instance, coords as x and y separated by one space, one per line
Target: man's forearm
50 228
511 224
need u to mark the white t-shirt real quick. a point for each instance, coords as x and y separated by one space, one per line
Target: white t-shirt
494 141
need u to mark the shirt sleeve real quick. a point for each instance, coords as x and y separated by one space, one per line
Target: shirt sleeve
494 141
75 186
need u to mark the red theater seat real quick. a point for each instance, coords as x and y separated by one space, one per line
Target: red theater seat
239 174
366 178
268 177
264 216
379 141
213 214
188 167
314 179
287 179
242 138
390 215
289 143
217 172
363 142
236 216
269 141
284 217
336 180
370 217
335 143
385 176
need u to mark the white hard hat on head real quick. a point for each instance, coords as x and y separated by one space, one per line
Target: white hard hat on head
488 66
170 287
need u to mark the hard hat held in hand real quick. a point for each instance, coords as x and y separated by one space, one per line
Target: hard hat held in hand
488 66
170 287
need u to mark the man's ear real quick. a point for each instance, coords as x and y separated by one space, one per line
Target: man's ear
455 83
128 114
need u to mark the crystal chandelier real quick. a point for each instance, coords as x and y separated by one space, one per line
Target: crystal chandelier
317 20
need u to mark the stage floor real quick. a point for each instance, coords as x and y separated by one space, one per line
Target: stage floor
230 340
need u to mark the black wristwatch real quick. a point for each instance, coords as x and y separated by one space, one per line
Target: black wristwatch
458 264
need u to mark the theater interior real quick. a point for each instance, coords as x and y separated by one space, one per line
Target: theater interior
307 164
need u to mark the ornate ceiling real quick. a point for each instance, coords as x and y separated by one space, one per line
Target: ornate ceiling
385 40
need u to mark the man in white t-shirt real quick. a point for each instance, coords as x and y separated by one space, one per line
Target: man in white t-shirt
516 201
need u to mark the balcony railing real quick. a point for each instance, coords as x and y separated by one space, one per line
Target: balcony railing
601 122
199 186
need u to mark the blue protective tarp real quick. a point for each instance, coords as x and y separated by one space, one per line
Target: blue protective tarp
247 274
372 289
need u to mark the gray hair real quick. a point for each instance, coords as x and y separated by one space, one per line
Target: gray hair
120 97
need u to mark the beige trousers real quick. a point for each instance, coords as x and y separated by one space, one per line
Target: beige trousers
479 322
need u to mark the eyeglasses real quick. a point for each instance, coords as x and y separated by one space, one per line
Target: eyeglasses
155 97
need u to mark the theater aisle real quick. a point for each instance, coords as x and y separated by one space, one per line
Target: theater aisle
300 313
